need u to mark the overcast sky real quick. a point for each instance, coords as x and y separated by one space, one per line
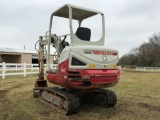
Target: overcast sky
129 23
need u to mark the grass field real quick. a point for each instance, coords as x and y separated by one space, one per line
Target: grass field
138 99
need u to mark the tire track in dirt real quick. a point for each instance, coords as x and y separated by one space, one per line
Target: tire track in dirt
7 104
150 107
14 83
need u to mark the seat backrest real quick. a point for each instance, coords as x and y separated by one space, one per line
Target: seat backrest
83 33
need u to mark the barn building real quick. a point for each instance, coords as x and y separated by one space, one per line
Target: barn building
12 55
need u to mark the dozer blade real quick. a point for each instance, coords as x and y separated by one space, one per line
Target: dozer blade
59 99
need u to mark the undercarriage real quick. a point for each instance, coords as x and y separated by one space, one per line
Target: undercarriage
68 102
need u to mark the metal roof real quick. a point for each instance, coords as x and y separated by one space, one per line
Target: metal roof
15 50
78 13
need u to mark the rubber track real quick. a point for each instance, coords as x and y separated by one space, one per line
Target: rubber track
73 100
111 96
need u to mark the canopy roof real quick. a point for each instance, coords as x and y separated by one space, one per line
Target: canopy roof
78 13
15 50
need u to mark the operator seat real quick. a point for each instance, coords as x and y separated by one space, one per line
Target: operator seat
83 33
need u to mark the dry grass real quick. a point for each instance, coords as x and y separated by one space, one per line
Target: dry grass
138 98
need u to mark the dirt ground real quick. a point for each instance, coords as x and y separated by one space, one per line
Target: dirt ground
138 99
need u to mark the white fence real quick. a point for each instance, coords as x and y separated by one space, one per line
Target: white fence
119 67
12 69
154 69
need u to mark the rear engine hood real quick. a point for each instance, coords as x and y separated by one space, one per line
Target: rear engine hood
97 54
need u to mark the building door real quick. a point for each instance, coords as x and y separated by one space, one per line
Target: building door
35 59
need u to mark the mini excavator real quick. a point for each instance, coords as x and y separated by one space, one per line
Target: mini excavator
85 68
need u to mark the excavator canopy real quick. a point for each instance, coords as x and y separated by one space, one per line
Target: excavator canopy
78 38
73 12
78 13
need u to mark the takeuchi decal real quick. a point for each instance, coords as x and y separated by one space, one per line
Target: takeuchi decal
98 52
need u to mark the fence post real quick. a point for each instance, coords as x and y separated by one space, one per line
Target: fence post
16 67
24 67
3 70
31 67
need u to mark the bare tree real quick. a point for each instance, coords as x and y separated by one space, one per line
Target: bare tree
147 54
